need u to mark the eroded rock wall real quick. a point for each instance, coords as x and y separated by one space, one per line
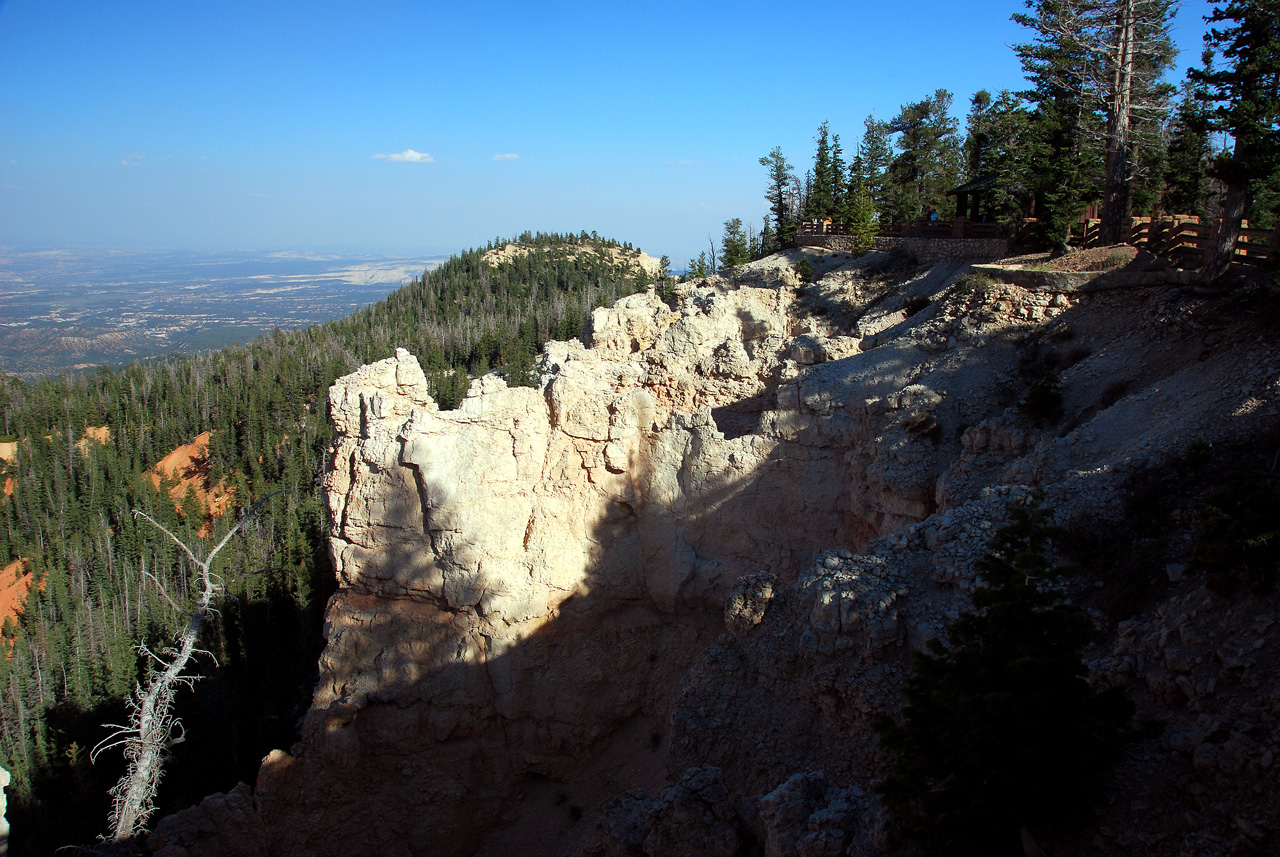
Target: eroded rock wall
652 605
526 578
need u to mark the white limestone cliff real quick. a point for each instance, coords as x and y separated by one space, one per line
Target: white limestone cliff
653 603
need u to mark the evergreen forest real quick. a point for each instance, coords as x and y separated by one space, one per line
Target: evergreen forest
1099 130
66 511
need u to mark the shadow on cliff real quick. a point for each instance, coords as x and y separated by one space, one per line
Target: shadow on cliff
443 739
444 733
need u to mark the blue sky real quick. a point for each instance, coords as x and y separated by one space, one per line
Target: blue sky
259 125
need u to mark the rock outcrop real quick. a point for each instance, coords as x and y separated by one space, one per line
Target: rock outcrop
652 605
4 822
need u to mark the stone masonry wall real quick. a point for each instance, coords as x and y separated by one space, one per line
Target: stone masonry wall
927 250
843 243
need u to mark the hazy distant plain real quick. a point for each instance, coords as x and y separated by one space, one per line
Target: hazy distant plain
64 310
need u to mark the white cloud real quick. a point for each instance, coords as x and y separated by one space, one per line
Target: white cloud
12 162
408 156
509 156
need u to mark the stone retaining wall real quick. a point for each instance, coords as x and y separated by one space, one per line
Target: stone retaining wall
843 243
1084 281
929 251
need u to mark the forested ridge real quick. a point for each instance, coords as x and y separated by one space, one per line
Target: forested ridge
70 658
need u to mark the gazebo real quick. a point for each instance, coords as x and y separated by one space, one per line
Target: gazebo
969 196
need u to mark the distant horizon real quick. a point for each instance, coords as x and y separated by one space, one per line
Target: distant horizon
144 126
335 251
31 248
63 309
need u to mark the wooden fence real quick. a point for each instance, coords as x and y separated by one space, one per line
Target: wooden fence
960 227
1181 237
1185 239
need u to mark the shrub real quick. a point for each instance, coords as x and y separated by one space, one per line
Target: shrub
804 270
902 257
1114 392
913 304
925 424
1001 731
1239 536
1043 401
971 283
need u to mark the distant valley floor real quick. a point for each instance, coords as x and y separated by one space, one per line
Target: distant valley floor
63 310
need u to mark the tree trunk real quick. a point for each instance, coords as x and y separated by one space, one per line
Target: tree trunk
1030 848
1115 198
1218 258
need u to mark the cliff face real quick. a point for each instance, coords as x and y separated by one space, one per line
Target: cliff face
651 606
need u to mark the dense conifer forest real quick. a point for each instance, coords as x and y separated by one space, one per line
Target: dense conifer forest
70 659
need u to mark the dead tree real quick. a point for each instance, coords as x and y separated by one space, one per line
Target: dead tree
149 734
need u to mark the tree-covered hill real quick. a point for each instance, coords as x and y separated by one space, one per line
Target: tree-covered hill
70 659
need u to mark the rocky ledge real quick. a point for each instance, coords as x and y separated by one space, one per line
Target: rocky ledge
651 605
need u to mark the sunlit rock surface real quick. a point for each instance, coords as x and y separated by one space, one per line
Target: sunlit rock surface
652 605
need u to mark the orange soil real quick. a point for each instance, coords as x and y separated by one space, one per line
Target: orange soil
189 465
98 434
8 451
15 581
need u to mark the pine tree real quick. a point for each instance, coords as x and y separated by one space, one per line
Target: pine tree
1187 166
780 194
1001 733
977 140
875 153
734 249
1063 124
858 213
698 267
1246 95
1107 57
927 164
838 176
820 199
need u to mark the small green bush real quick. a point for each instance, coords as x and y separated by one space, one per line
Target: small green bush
924 424
804 271
914 304
974 284
1043 400
1239 536
1114 392
1001 730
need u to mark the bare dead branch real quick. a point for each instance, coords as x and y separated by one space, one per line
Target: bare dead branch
150 730
160 586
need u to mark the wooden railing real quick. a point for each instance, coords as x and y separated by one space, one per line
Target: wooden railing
822 227
960 227
1185 239
1181 237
